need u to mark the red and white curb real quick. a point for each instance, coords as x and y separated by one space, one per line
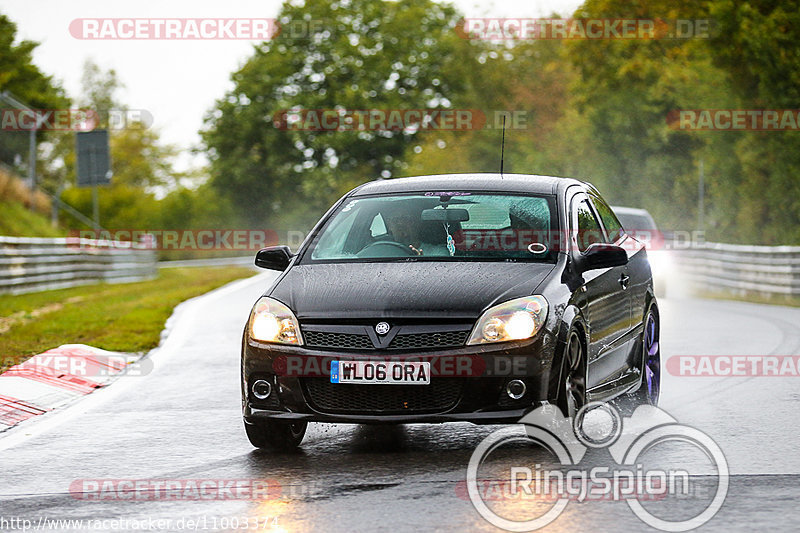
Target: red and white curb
56 378
24 397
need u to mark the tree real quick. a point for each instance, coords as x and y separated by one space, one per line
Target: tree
20 76
758 43
367 54
141 165
625 89
526 81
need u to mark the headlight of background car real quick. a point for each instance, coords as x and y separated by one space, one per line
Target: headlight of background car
660 262
510 321
271 321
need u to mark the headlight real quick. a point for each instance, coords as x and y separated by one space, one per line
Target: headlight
510 321
660 262
271 321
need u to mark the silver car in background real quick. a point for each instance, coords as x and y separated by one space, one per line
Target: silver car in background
639 224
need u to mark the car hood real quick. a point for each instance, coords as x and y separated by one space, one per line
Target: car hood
405 289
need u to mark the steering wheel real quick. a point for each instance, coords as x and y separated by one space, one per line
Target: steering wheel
389 249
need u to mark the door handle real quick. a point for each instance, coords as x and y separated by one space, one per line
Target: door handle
623 280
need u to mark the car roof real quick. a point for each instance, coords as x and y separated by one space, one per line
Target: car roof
489 182
631 211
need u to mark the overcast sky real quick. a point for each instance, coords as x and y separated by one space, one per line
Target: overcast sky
177 80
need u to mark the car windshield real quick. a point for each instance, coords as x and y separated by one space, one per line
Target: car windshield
439 226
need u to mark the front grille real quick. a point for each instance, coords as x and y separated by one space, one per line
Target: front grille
440 395
402 341
327 339
445 339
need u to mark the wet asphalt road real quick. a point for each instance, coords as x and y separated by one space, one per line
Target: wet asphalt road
182 421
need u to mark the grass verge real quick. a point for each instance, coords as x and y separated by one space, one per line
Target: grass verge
125 317
19 221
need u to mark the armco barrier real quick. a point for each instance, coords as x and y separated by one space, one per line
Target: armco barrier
740 269
37 264
246 260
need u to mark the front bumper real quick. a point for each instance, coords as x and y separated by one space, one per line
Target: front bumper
508 416
475 391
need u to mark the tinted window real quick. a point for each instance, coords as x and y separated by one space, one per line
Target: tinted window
449 226
610 221
589 231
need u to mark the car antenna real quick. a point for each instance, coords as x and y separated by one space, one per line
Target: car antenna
503 147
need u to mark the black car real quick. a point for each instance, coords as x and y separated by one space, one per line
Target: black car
473 297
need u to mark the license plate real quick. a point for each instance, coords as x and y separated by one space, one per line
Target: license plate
381 372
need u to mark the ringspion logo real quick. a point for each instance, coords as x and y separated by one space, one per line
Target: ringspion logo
622 478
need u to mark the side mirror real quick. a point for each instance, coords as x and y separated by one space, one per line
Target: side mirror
600 255
274 257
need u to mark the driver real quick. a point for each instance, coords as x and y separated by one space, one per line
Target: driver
403 228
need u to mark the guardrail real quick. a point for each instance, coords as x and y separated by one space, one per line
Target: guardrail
740 269
246 260
37 264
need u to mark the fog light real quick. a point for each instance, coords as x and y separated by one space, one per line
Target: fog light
262 389
516 389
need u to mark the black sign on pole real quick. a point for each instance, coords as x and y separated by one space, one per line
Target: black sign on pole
94 162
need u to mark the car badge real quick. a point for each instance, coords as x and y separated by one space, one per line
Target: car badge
382 328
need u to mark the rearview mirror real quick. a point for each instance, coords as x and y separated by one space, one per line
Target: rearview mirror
446 215
274 257
600 255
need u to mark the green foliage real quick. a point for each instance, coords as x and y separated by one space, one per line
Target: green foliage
121 207
20 76
625 90
758 43
139 159
367 54
122 317
594 109
19 221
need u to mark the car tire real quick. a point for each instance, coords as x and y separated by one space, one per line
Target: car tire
274 435
572 382
649 390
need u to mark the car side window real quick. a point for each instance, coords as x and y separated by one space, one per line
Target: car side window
589 230
610 221
378 226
